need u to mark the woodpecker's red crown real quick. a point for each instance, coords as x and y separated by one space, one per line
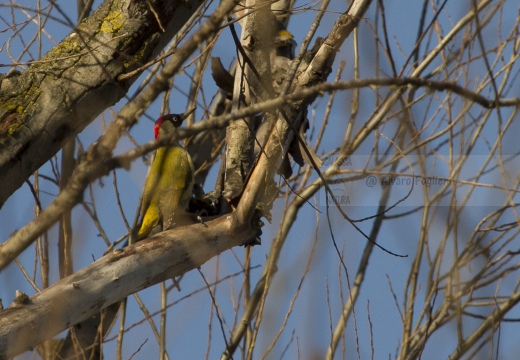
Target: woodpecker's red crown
175 119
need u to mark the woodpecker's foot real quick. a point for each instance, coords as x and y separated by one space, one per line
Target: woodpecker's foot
201 220
207 204
256 224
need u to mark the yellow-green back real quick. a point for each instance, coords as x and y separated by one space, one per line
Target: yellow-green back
167 190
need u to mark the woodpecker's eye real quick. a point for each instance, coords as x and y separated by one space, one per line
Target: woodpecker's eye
176 120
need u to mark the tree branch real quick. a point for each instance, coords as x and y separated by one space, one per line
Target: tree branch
57 96
114 277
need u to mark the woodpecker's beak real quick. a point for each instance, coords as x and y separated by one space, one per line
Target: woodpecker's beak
185 114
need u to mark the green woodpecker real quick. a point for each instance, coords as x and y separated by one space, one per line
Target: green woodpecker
169 184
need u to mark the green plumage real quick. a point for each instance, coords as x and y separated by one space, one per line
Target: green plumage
169 183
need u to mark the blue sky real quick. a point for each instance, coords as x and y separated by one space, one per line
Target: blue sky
310 320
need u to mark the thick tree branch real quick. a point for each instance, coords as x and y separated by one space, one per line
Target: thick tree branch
114 277
317 71
56 97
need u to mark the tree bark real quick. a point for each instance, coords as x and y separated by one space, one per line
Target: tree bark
114 277
57 96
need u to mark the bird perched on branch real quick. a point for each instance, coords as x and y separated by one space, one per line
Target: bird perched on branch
169 183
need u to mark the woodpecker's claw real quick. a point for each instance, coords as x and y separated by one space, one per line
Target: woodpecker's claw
199 218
